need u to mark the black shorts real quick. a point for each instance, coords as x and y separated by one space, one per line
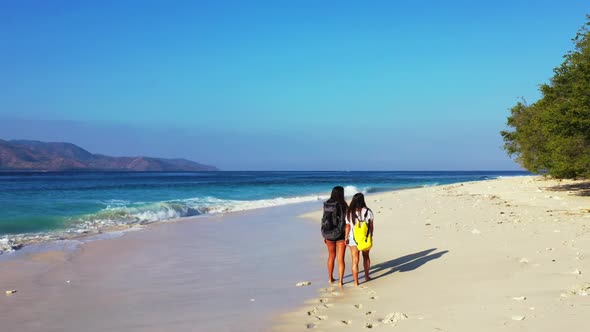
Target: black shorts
338 240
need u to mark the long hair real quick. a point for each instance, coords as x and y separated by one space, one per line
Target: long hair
338 196
357 203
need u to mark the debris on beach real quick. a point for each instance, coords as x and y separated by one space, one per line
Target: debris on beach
583 290
518 317
393 318
303 283
10 292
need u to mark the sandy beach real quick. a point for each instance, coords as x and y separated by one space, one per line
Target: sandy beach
509 254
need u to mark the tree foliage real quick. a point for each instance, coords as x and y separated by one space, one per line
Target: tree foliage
552 135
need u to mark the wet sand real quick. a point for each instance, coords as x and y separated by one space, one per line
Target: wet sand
217 273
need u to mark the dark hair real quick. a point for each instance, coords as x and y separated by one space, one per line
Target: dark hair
357 202
338 196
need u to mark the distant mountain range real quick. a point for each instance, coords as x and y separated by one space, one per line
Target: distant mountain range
23 155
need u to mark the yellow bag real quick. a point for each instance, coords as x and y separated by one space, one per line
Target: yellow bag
361 236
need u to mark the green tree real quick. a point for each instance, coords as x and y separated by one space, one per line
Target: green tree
552 135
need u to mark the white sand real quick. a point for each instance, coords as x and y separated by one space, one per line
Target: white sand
498 255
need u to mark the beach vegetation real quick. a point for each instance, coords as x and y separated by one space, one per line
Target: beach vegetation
552 135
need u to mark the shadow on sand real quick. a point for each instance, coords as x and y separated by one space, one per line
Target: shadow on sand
580 188
405 263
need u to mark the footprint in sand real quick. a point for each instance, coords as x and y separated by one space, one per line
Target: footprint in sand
310 326
328 289
346 322
358 306
323 300
370 325
373 297
368 313
321 317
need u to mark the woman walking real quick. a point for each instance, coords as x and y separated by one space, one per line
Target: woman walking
357 214
333 231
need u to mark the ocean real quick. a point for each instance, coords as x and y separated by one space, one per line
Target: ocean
46 206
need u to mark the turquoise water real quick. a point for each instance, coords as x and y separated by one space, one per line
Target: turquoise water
33 203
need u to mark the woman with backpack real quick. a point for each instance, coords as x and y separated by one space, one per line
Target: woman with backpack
333 231
359 234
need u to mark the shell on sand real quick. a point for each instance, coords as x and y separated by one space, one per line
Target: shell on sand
518 317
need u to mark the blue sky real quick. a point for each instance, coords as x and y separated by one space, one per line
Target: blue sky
289 85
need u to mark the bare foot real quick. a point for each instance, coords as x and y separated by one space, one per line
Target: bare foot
331 280
367 278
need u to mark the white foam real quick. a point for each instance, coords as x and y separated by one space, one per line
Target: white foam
349 191
168 210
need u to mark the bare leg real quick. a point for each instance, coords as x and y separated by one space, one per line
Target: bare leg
367 264
340 252
355 264
331 256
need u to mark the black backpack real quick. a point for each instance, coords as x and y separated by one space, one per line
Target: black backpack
333 221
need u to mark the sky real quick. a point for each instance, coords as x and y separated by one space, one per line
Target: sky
280 85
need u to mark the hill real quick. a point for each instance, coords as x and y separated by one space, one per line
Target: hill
24 155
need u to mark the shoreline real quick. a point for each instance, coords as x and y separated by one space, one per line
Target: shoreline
172 276
13 244
504 254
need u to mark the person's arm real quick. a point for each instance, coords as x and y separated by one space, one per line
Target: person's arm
346 229
372 216
347 232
